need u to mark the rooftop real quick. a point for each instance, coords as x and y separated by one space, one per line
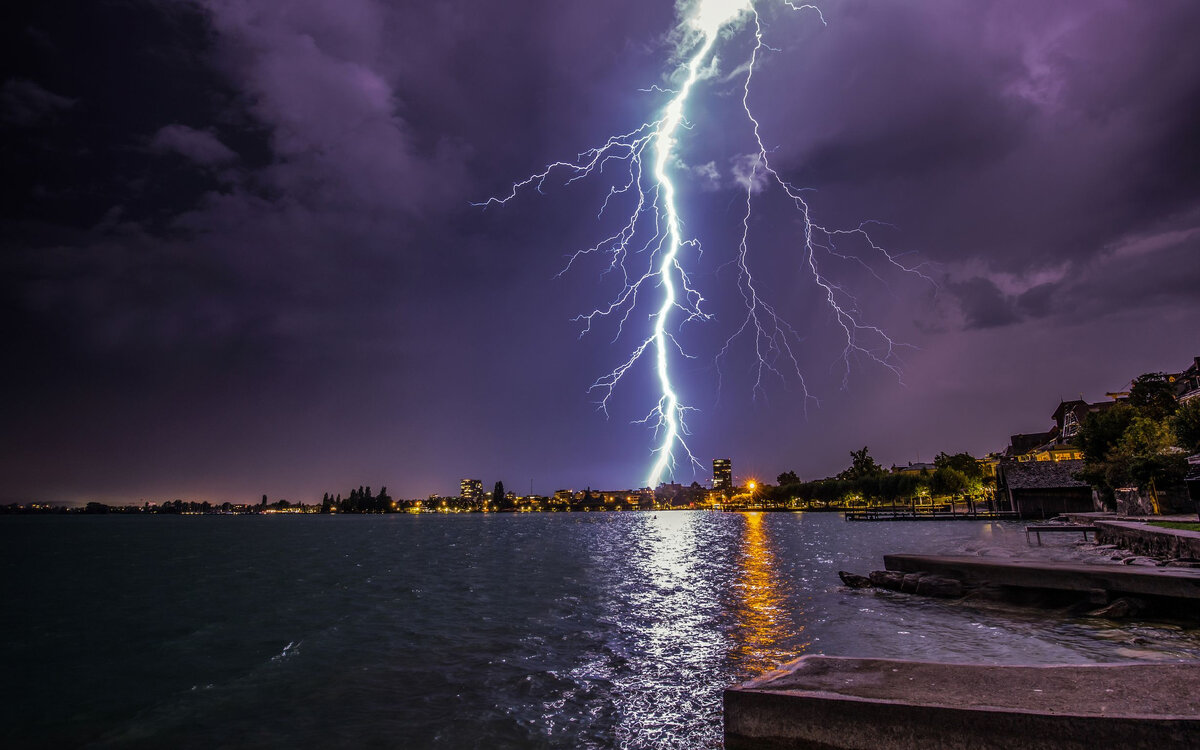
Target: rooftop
1042 475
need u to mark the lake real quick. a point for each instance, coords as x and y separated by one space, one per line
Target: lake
472 631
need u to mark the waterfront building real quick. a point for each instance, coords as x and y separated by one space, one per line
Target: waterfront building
722 474
471 489
1043 489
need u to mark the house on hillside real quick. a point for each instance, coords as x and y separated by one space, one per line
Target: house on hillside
1056 444
1187 383
1070 415
1021 444
1041 489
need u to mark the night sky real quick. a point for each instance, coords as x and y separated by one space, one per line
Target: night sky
240 256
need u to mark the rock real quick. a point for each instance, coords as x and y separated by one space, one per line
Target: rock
854 581
1148 562
909 584
1105 546
1124 607
886 579
934 585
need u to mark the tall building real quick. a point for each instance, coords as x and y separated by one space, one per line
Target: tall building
471 489
722 474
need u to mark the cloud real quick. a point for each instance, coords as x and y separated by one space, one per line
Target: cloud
24 103
749 173
983 304
707 175
200 146
1142 272
318 76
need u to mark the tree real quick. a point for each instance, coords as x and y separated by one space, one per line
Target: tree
948 481
788 477
962 462
862 465
1143 455
1186 423
1153 395
498 496
1102 430
1125 447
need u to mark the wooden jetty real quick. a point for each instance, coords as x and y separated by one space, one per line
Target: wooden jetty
918 514
1057 528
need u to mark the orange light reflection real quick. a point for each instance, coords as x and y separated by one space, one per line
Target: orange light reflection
764 625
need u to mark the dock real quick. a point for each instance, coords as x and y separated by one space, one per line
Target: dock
838 703
1182 584
1057 528
911 514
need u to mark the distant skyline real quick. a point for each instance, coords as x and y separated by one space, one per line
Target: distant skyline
239 254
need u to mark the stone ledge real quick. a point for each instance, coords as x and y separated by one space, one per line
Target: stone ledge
1149 540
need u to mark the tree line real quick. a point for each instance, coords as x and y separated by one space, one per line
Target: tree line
866 482
360 500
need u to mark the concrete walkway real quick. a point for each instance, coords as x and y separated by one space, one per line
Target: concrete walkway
830 702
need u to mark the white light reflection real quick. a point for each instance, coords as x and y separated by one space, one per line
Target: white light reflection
676 638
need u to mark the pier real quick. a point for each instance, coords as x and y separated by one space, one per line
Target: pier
1179 584
930 514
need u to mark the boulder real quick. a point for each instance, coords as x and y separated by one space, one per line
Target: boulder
909 584
886 579
941 586
1126 606
854 581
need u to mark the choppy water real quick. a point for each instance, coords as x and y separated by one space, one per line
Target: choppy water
558 630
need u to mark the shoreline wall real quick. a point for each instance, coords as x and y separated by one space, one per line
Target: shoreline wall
1149 540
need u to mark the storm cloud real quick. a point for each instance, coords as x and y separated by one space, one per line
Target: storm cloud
239 252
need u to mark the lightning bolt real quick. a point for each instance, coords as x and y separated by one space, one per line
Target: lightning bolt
652 234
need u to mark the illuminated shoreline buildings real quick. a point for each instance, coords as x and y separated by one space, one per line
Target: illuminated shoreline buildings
722 474
471 489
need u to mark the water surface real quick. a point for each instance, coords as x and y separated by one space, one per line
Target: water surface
470 631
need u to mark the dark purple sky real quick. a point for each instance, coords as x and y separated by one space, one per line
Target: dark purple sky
239 256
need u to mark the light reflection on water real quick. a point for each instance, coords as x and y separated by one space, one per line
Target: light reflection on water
555 630
764 624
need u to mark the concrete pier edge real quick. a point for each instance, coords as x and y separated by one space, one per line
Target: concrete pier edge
833 703
1117 580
